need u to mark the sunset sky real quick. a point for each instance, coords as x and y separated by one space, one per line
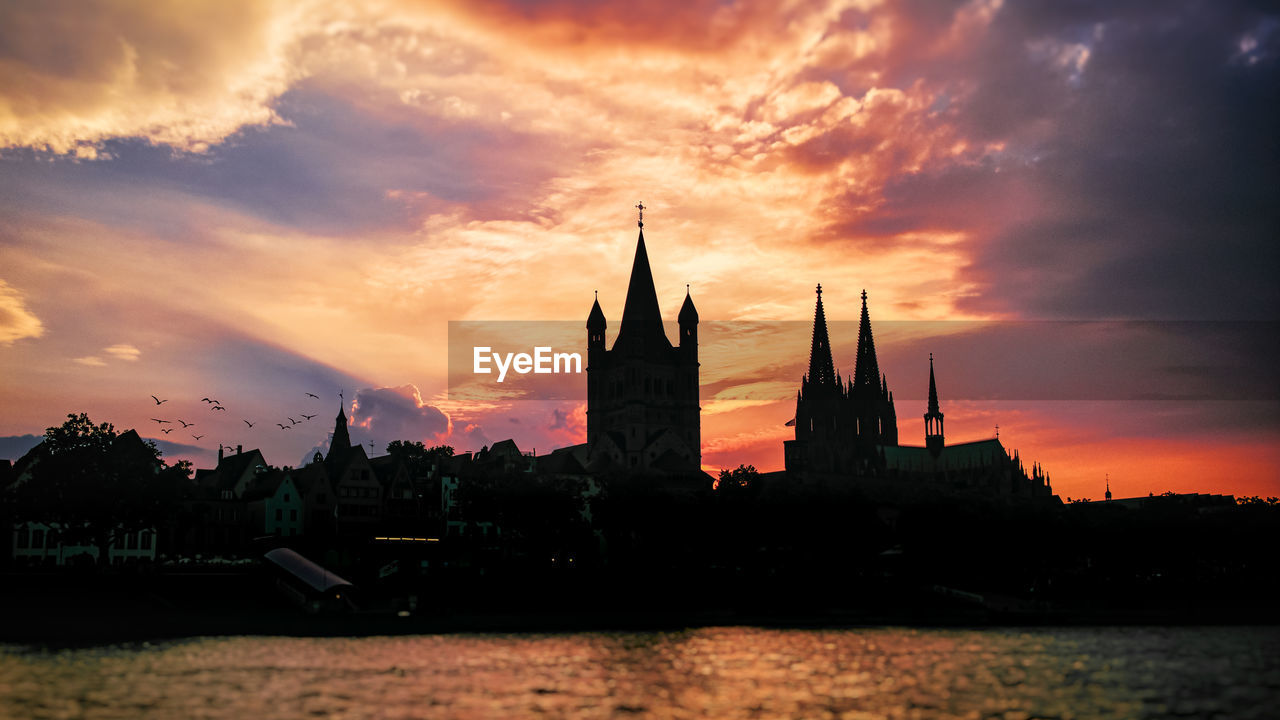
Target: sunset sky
1074 205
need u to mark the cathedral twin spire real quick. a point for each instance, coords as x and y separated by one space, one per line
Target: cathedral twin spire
821 368
866 369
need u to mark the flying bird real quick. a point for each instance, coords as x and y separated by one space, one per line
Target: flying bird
246 422
292 421
160 421
197 437
185 424
307 416
283 426
217 407
215 402
158 400
313 395
166 431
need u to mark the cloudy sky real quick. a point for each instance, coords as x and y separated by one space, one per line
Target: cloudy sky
1071 204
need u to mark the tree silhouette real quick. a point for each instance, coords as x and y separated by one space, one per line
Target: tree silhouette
417 457
94 485
741 478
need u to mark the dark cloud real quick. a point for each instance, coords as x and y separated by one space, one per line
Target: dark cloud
340 166
13 447
169 449
387 414
1132 170
1163 170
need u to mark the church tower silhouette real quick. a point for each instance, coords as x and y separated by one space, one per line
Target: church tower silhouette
642 394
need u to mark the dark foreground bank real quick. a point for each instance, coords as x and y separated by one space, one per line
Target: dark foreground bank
66 609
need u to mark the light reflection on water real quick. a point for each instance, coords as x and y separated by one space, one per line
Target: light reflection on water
706 673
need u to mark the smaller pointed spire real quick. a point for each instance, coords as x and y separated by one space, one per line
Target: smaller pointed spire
595 320
688 313
933 390
934 437
341 442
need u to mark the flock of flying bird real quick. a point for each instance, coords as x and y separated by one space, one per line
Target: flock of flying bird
216 405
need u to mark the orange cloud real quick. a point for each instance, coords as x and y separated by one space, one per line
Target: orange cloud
183 74
16 321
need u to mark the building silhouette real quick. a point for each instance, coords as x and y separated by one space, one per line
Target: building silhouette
849 429
840 425
642 394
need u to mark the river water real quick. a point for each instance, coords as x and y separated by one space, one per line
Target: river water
731 672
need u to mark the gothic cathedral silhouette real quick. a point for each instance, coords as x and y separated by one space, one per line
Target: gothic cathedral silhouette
848 430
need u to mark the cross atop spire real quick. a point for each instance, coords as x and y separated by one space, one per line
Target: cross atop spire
640 207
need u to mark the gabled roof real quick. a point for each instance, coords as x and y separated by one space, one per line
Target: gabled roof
501 450
564 461
129 444
310 478
264 485
386 467
338 465
231 469
673 462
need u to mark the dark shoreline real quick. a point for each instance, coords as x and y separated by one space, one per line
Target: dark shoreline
60 610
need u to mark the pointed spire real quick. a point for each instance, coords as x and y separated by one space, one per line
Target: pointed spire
341 442
595 320
821 368
688 313
933 390
641 317
866 370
